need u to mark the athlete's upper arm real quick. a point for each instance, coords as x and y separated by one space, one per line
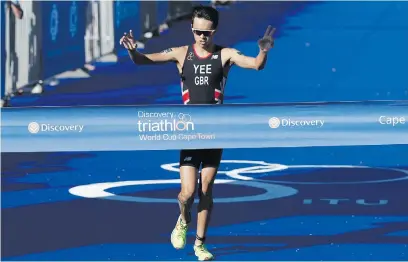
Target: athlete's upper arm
168 55
236 57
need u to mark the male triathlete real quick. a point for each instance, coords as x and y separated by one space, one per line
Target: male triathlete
203 68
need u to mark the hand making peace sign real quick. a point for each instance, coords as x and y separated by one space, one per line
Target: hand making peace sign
267 42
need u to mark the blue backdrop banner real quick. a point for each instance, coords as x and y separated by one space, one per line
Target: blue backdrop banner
162 11
127 17
182 127
63 44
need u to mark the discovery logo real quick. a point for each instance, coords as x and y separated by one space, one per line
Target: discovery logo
35 128
275 122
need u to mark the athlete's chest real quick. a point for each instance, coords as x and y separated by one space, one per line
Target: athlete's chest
205 67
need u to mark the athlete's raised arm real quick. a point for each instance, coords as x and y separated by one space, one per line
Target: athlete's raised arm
258 62
138 58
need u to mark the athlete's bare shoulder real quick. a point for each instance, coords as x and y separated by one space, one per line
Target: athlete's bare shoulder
176 49
229 51
226 54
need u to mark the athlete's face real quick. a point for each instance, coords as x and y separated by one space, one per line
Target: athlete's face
203 31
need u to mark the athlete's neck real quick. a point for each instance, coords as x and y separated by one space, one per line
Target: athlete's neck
203 51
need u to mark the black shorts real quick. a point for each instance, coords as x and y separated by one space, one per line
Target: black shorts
203 157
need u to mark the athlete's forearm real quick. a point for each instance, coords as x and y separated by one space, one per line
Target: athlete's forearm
139 58
260 60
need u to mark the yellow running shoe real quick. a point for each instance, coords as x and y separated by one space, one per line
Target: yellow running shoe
202 253
179 234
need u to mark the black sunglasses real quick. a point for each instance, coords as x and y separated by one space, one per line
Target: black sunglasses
206 33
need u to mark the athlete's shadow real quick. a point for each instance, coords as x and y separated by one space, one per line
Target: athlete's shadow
237 249
379 235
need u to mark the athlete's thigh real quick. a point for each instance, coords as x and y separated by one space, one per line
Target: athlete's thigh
211 158
190 161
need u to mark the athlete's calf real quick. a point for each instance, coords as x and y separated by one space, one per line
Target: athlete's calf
186 200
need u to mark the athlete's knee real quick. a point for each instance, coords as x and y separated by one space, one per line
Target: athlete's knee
186 200
206 184
206 201
186 195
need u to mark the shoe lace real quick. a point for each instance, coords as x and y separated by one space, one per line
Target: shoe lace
182 227
202 248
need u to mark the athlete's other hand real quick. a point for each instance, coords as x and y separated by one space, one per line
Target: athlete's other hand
128 41
267 41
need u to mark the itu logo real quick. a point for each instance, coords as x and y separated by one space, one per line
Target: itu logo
54 22
182 122
265 176
125 10
73 19
270 191
118 13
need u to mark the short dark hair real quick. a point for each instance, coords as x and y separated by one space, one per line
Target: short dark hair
207 12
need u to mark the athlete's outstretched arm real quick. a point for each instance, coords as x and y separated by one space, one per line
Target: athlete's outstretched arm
243 61
138 58
168 55
258 62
